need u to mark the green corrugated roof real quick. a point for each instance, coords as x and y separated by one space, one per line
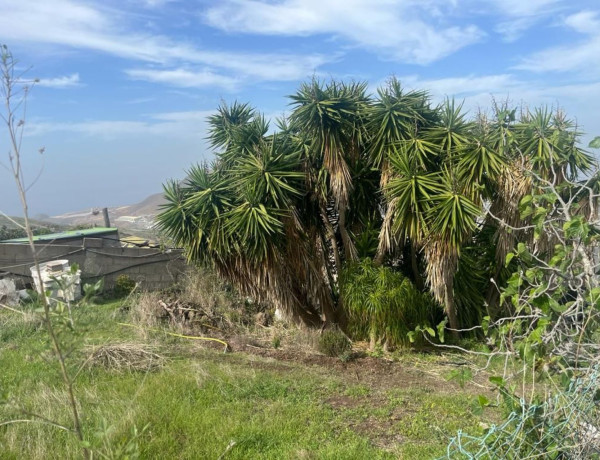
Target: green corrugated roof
96 231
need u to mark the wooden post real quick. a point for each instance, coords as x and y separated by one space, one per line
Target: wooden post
106 219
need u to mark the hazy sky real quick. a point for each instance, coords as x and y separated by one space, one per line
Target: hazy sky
125 86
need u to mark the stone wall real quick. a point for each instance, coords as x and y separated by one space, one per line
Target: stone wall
152 268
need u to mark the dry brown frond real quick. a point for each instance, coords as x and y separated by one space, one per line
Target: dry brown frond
340 179
442 262
513 185
387 239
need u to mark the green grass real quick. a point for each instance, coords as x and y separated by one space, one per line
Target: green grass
202 400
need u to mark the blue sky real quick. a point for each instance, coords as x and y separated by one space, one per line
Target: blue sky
125 86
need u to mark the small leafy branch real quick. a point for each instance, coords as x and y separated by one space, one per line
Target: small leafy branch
14 90
550 342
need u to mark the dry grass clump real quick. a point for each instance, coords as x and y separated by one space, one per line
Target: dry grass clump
285 336
215 303
19 320
128 357
145 309
201 302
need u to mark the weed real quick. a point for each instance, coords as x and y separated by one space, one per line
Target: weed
346 356
461 376
276 342
334 342
376 351
357 391
124 286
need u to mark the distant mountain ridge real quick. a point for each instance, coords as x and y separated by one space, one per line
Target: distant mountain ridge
136 218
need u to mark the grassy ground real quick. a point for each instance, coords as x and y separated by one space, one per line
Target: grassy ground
263 403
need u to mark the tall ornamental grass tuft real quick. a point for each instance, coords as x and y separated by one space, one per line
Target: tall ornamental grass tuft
383 305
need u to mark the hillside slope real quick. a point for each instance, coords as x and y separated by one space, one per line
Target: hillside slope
136 218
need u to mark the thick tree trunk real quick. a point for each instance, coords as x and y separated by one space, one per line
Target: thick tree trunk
349 248
307 318
333 241
330 314
385 235
327 264
372 340
450 308
415 268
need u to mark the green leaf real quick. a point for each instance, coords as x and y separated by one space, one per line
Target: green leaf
558 308
508 259
483 401
523 252
576 227
441 328
485 324
525 206
497 380
595 143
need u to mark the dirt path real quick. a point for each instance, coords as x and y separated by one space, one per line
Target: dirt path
431 372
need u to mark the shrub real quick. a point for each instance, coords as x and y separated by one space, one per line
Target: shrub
548 342
383 305
124 285
334 342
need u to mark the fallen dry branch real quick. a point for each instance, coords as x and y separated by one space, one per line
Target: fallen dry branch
179 312
130 357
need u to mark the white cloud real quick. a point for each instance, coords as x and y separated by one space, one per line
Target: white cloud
579 100
186 124
77 25
513 29
463 86
514 17
190 116
141 100
82 26
520 8
409 30
60 82
155 3
585 22
583 56
184 78
270 66
243 67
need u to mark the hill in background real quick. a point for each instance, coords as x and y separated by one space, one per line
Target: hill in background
137 219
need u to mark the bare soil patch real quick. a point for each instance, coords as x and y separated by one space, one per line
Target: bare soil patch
376 373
